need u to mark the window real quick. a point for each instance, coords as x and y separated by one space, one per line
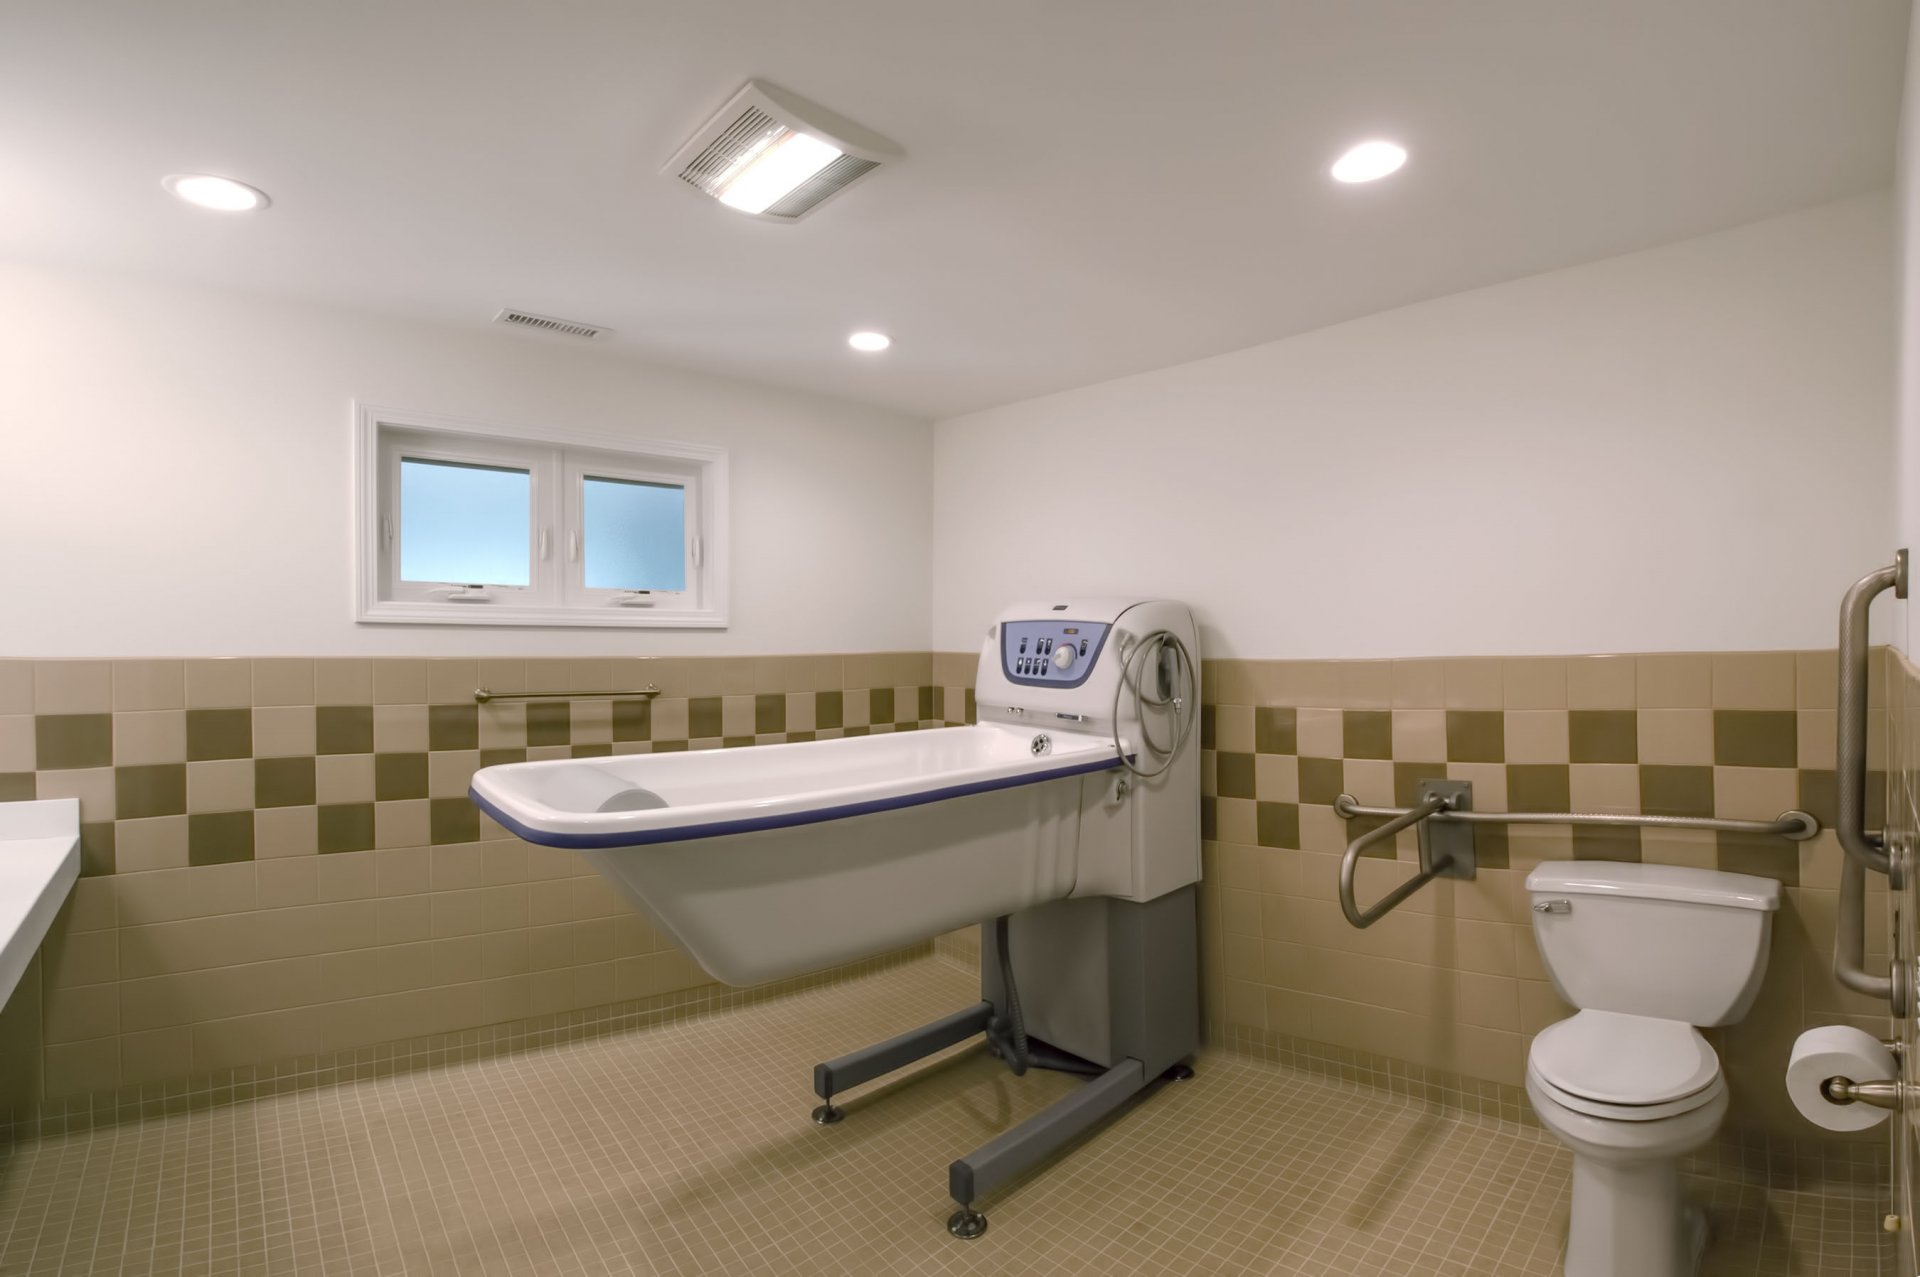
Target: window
467 524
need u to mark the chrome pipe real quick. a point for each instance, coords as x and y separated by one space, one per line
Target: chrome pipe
482 695
1863 850
1401 820
1797 825
1850 767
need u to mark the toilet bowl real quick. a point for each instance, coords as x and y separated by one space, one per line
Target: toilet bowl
1628 1083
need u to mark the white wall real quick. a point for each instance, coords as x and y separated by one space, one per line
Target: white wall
1907 306
1685 448
177 478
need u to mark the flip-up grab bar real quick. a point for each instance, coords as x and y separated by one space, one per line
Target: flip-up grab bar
1436 867
1864 850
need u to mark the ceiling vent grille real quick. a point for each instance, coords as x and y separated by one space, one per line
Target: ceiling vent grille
775 155
548 324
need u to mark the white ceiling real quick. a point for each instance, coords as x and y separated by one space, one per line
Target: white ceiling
1092 187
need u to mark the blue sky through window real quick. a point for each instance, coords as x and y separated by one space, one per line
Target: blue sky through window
465 524
636 535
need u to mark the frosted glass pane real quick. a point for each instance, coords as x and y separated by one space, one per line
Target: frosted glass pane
470 525
636 535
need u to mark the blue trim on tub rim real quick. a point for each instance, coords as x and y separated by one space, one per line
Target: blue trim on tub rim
754 824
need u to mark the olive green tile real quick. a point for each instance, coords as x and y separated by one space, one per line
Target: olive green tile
1276 730
65 742
632 720
669 747
856 731
1603 736
1278 824
1605 843
156 789
1476 736
1538 787
737 742
1819 796
399 776
549 722
1490 848
283 782
880 703
1676 791
926 703
501 757
1321 780
795 738
1357 826
16 787
1756 738
453 727
1407 778
704 717
343 729
1207 717
1209 819
346 827
219 733
1367 733
219 838
973 709
1758 854
453 820
770 712
829 710
597 750
96 848
1233 775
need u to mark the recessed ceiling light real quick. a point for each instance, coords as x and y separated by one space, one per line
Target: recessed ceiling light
222 194
1369 162
869 342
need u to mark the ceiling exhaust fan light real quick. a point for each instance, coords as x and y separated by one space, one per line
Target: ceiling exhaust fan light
774 171
870 342
221 194
1369 162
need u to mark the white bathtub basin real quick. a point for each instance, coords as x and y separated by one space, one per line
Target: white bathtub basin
780 859
39 863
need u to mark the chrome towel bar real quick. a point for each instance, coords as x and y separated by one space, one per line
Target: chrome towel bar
1797 825
482 695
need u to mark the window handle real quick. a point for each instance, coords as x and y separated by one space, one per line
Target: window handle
545 536
573 547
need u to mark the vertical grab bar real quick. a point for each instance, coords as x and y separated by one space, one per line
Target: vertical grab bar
1863 850
1367 917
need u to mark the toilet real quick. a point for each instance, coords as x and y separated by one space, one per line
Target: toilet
1648 953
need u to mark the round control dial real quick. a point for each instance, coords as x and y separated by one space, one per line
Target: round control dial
1063 657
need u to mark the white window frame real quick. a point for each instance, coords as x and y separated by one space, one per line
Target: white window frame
559 462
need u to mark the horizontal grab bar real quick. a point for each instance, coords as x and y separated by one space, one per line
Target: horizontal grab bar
482 695
1797 825
1364 918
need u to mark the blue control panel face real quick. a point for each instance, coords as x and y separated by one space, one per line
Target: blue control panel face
1051 653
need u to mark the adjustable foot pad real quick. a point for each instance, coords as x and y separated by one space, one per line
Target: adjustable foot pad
967 1223
827 1115
1178 1073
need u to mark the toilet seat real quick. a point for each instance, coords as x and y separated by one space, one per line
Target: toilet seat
1630 1068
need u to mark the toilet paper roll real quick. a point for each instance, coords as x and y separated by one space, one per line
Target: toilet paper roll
1837 1050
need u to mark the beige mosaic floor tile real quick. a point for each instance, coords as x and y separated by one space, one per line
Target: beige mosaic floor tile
686 1149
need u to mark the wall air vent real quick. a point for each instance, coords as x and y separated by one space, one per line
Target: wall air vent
548 324
777 156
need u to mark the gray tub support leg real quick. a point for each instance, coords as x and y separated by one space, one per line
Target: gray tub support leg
897 1052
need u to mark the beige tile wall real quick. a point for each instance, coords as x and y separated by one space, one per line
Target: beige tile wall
281 861
1452 983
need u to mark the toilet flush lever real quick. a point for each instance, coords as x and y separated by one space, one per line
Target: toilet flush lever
1553 906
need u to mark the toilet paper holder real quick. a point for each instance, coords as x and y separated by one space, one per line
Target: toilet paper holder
1889 1095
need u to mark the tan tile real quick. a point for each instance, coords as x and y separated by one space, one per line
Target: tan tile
149 736
72 687
453 681
93 786
1754 793
1366 684
1474 683
17 743
1818 739
1675 680
1233 729
401 824
16 687
1321 733
343 681
1676 737
1536 735
226 785
1753 680
153 842
1420 735
283 731
1534 682
1601 682
1606 787
1419 685
226 683
343 778
399 681
149 685
285 831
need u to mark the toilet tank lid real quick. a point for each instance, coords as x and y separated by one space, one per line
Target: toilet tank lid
1653 882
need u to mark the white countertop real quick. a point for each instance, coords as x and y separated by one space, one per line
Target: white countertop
39 863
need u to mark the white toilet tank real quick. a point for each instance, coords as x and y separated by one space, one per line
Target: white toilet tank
1653 940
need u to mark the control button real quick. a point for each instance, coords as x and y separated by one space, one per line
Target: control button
1023 646
1083 647
1063 657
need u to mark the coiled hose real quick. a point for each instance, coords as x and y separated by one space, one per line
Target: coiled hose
1149 652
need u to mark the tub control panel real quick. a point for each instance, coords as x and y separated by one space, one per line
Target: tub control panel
1052 653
